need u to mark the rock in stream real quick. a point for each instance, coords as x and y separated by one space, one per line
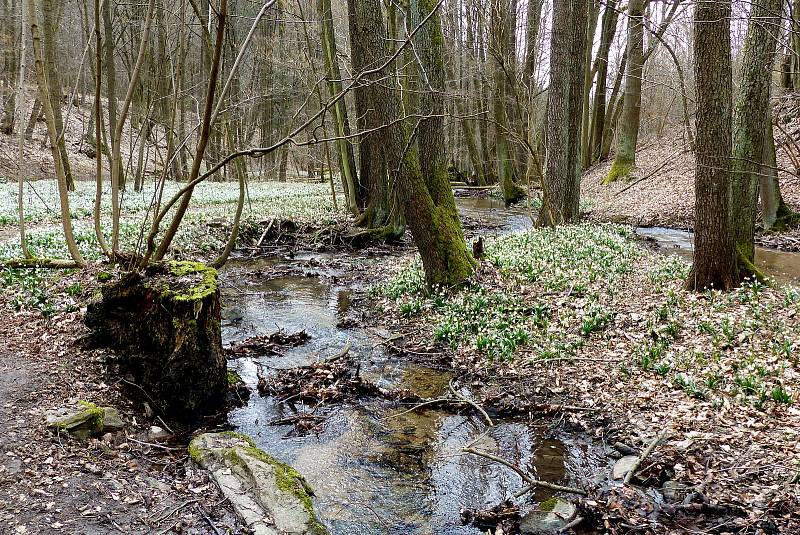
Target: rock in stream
271 497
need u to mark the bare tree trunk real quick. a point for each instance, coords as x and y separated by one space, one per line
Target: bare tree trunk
345 153
52 130
714 251
607 33
368 49
51 19
20 102
501 30
628 127
561 200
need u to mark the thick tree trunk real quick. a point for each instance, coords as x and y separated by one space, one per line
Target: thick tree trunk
369 50
628 127
752 114
714 251
561 200
427 203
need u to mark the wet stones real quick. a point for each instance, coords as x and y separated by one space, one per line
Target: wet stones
164 327
623 466
271 497
552 516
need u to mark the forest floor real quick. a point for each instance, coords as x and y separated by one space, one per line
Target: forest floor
585 323
126 482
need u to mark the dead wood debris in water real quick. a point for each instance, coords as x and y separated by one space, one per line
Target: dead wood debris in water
332 380
266 345
502 518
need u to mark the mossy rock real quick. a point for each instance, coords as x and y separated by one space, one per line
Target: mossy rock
80 421
258 485
164 326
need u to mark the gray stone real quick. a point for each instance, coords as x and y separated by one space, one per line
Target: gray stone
81 421
674 491
623 466
268 495
112 421
552 516
13 465
156 433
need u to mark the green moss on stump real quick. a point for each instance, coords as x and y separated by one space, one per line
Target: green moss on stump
104 276
620 169
207 285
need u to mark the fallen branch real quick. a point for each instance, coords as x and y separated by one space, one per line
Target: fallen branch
577 520
656 441
51 263
532 483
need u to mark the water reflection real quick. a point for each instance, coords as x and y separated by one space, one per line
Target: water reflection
377 468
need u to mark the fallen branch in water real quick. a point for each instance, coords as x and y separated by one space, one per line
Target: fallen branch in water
656 441
532 483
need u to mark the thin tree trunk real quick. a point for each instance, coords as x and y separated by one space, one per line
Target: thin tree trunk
344 147
609 29
628 127
52 130
51 19
20 102
502 65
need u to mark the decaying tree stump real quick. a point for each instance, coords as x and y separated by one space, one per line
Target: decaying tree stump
164 326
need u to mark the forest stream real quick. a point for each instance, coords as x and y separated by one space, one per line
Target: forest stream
377 467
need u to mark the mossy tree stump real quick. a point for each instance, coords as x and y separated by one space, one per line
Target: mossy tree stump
164 326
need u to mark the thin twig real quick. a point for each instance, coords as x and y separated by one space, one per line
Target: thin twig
532 483
656 441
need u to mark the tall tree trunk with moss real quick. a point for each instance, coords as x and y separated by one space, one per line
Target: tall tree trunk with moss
715 264
628 127
752 113
561 184
382 213
9 38
500 35
427 201
607 32
344 147
51 20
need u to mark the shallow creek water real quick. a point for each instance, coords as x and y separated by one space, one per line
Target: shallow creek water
376 468
783 266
